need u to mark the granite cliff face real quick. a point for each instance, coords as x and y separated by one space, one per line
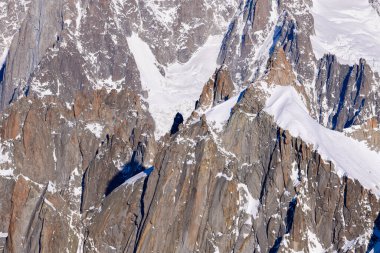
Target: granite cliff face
354 101
82 168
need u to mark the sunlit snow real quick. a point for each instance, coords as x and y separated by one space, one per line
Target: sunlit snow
180 87
350 157
137 177
95 128
220 114
348 29
3 57
249 204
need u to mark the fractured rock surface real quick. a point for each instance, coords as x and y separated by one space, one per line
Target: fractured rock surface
81 169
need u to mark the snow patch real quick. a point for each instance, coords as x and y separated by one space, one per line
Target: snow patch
137 177
95 128
4 155
5 158
220 114
348 29
163 12
314 245
228 178
51 187
216 248
294 175
178 89
3 57
41 89
6 173
3 235
351 157
47 202
248 204
109 84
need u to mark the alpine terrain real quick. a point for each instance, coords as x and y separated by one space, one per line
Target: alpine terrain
211 126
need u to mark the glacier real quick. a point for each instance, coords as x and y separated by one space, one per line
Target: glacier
348 29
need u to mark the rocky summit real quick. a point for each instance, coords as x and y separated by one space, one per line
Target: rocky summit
216 126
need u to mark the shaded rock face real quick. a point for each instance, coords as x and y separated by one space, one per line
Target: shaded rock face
40 28
178 120
248 32
346 94
293 34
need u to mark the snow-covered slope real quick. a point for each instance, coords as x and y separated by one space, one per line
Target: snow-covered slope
350 157
348 29
220 114
179 87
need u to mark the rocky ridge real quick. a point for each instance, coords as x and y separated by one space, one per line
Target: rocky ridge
82 171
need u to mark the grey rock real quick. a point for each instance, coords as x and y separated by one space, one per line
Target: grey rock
345 94
78 146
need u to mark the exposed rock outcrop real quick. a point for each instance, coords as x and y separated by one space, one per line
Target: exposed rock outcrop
62 160
81 169
368 132
346 94
217 90
211 192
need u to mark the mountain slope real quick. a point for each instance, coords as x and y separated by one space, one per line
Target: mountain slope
189 126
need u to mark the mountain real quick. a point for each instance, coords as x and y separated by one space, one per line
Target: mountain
189 126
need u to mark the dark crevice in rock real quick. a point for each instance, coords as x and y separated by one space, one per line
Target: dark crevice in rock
26 90
276 245
282 137
144 218
36 210
241 96
129 170
142 208
359 81
83 184
250 6
178 120
13 97
276 37
342 99
2 72
374 242
350 122
223 50
345 192
290 214
288 223
40 236
268 169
